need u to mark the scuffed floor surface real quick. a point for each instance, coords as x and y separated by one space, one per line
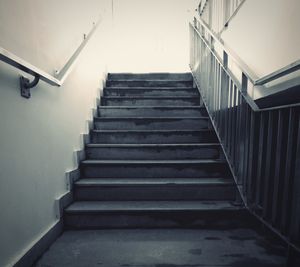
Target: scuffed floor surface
162 248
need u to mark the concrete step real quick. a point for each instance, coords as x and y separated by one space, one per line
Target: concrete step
152 214
153 151
153 136
155 189
150 101
150 91
151 111
151 123
151 76
149 83
154 168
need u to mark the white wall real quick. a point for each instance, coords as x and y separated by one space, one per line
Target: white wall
265 34
151 35
38 136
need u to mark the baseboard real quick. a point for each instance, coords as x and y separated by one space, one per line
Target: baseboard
37 250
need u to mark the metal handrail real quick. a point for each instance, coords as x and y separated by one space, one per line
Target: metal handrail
246 70
201 6
290 68
39 74
262 146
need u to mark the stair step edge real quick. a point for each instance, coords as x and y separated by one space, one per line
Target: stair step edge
92 145
90 182
155 206
153 161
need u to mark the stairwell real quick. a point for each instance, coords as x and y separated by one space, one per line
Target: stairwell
155 189
154 160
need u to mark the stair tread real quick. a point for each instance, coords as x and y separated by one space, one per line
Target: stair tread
151 107
153 131
153 161
148 97
150 80
142 118
178 205
152 88
154 145
151 181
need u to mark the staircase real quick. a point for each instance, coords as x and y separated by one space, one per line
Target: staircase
154 160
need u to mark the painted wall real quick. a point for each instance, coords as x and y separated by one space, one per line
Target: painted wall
151 35
38 136
265 34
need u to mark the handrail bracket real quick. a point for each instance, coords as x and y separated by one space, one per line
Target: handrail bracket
26 85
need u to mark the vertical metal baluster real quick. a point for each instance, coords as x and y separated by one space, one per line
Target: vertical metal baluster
261 152
234 124
295 214
230 114
280 157
238 136
289 167
271 144
253 154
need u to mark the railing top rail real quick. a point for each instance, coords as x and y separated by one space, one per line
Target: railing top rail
247 98
290 68
202 5
250 101
38 73
246 70
279 73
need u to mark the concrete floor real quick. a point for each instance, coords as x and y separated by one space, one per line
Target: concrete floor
162 248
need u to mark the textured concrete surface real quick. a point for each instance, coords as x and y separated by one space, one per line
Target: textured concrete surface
163 248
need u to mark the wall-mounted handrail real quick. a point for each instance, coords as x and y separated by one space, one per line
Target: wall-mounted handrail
290 68
23 65
38 73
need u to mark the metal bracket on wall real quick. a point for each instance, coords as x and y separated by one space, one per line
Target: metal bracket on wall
26 85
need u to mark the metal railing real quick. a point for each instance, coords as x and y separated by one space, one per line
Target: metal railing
39 74
262 146
218 13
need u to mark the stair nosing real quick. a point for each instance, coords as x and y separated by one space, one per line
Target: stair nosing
152 88
150 97
154 145
149 80
151 162
151 107
148 117
152 131
157 207
125 182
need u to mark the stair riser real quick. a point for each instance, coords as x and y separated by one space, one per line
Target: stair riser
166 192
151 112
155 170
224 219
153 83
153 138
195 101
150 76
203 152
151 124
150 92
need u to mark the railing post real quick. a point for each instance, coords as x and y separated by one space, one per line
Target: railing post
225 60
244 83
195 22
